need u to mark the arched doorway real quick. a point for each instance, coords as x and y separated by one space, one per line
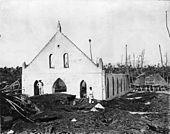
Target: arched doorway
59 86
36 89
83 89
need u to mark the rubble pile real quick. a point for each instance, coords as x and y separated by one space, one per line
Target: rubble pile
146 113
13 106
53 102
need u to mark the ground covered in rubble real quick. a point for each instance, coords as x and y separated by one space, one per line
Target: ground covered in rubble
133 113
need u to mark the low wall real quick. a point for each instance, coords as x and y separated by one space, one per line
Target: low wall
116 85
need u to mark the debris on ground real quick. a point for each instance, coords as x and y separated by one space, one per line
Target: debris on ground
73 120
94 109
99 106
148 114
13 106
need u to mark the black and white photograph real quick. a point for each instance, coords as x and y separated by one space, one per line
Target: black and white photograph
85 66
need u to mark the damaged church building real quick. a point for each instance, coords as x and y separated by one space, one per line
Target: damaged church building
62 67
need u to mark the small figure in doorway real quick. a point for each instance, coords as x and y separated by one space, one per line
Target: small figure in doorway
40 87
91 97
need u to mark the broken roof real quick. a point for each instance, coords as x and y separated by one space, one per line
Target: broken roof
154 79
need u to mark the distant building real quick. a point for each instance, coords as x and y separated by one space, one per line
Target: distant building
62 67
152 82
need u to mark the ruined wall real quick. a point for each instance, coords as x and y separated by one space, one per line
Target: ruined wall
116 85
80 68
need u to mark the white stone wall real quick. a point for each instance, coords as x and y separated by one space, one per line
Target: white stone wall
113 84
80 68
72 82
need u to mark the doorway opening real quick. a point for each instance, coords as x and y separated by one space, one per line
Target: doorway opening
36 89
59 86
83 89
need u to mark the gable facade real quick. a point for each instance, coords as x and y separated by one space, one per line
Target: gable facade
62 64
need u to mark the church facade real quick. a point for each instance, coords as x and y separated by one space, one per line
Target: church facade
62 67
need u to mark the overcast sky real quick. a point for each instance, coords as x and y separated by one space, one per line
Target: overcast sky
27 25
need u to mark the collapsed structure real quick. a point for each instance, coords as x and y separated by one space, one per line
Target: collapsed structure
151 83
62 67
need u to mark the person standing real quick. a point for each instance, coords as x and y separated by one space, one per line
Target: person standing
40 87
91 97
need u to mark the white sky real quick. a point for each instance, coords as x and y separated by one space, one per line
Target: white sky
27 25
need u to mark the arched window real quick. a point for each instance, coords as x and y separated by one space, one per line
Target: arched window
117 86
66 60
113 85
51 62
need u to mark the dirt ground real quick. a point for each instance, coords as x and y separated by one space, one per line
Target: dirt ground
133 113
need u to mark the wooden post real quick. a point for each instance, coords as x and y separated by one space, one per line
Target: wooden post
134 60
127 69
126 62
161 55
166 56
90 49
166 65
161 59
126 57
121 59
167 23
169 36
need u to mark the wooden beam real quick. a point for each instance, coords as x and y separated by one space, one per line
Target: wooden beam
167 23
